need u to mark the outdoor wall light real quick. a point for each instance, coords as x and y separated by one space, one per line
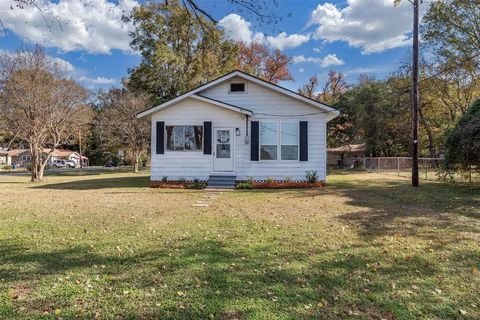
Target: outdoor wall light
237 131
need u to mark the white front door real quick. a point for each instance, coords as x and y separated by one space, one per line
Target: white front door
223 150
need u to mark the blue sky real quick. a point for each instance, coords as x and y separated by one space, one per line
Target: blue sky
353 36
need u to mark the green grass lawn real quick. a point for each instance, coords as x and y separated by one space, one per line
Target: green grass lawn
367 246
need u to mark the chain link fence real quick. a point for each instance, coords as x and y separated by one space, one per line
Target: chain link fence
428 168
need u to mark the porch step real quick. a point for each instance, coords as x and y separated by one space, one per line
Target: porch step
221 182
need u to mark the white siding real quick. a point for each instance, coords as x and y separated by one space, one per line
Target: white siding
266 104
190 164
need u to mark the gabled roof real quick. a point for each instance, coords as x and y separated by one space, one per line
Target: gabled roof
16 152
348 148
56 153
237 73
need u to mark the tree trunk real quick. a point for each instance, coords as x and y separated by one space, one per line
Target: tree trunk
135 160
38 163
36 176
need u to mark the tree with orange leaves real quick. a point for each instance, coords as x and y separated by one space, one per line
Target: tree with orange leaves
263 63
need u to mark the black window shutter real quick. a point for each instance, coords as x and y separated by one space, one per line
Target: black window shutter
303 140
207 137
160 137
255 141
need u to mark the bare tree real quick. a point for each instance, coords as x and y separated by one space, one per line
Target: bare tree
334 87
118 123
309 89
39 103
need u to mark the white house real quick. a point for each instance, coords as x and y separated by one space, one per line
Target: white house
236 127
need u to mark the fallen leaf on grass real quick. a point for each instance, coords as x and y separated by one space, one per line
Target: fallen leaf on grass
463 312
388 316
11 294
322 303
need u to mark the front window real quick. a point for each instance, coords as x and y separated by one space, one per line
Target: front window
289 141
279 140
184 138
268 140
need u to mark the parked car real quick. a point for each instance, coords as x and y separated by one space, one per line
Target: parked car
63 164
71 163
110 165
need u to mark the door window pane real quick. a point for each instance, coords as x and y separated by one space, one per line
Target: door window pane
223 144
223 151
223 136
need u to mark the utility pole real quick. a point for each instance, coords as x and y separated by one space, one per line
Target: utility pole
80 147
415 90
415 95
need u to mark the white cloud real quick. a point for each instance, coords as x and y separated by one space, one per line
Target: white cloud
317 50
328 60
64 64
238 29
367 70
98 80
371 25
283 41
91 25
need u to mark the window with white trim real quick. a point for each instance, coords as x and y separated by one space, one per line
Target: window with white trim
279 140
289 140
184 138
268 140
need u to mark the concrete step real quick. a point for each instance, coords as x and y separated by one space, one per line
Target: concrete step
221 182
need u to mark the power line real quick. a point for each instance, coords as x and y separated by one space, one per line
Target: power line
446 69
443 71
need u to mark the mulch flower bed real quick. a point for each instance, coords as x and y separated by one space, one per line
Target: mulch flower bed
168 184
287 185
255 184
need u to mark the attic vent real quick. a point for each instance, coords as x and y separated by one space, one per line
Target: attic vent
237 87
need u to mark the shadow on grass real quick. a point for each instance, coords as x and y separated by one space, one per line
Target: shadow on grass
197 278
392 207
91 184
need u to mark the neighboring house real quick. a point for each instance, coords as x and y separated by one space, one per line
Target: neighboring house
22 157
349 155
236 127
18 157
3 156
